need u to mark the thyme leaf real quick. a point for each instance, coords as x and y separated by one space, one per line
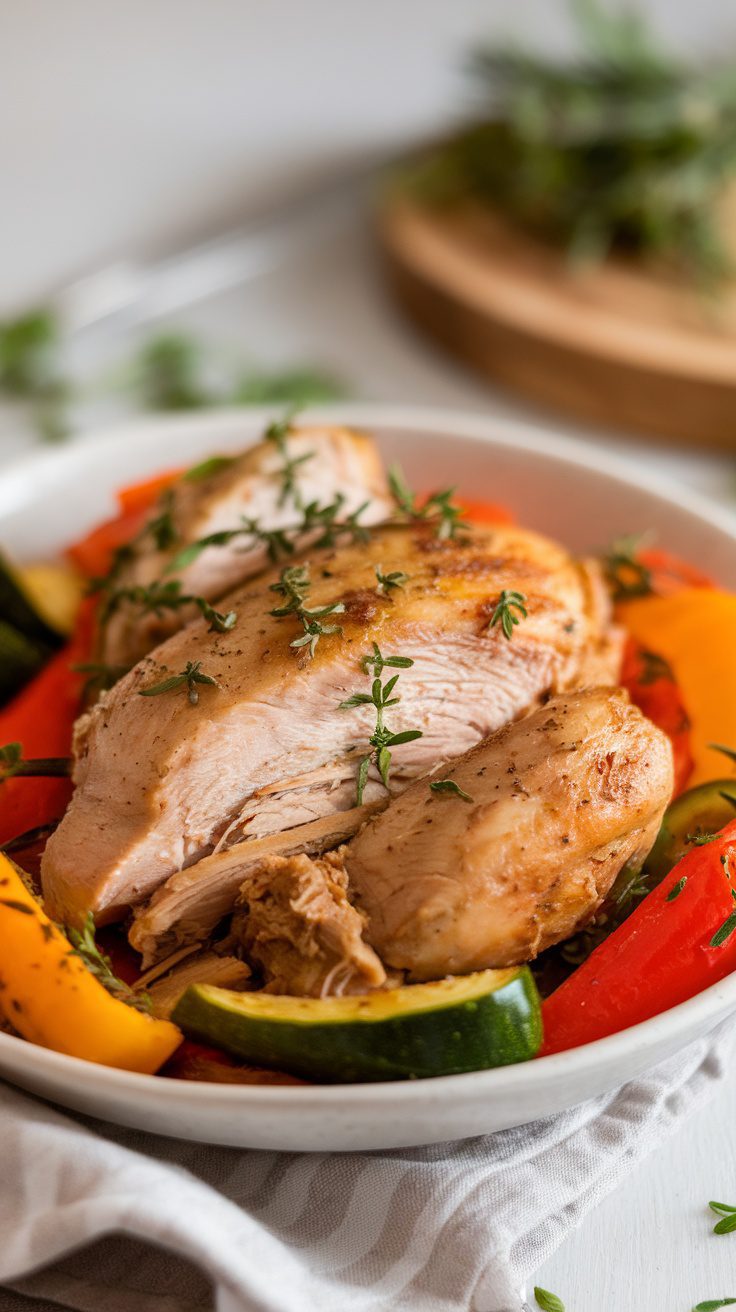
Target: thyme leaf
676 889
725 931
188 678
387 582
510 610
548 1302
449 786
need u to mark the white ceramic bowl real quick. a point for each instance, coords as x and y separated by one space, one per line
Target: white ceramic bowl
562 488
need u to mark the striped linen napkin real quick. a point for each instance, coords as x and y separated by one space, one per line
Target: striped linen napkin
106 1220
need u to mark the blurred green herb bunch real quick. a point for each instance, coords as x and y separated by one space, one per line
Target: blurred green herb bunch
621 147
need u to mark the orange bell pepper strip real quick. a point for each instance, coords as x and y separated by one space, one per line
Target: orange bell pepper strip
694 630
51 998
679 940
484 512
142 496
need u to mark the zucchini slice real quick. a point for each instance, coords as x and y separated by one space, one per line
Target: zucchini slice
20 659
698 812
465 1023
18 610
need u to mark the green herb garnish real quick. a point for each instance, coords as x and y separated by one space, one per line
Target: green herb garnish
206 468
713 1304
85 947
725 751
548 1302
727 1214
382 738
449 786
676 889
13 764
627 576
510 610
294 586
620 147
725 931
700 840
387 582
437 509
188 678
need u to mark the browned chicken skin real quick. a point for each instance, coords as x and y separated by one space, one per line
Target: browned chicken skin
161 782
331 462
561 801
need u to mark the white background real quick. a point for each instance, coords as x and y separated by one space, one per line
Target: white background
129 129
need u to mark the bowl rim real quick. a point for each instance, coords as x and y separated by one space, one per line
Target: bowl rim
501 432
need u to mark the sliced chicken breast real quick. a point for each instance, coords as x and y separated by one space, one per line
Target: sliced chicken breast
161 782
560 802
326 463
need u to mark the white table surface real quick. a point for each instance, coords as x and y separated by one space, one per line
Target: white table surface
649 1246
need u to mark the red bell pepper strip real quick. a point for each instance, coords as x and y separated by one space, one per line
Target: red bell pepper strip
93 554
42 718
653 688
662 955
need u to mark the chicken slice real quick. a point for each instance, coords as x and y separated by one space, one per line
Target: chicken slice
160 783
561 801
299 927
328 462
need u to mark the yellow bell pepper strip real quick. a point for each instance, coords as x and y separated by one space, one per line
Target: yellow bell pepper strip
50 997
695 631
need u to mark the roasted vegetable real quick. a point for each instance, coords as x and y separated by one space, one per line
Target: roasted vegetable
51 998
459 1024
680 939
689 822
694 631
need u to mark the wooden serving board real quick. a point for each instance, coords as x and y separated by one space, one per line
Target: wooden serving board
613 344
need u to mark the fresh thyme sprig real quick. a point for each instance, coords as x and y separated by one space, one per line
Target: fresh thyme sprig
278 433
388 582
510 611
294 586
14 765
449 786
627 576
382 738
158 597
437 509
281 542
727 1214
188 678
84 946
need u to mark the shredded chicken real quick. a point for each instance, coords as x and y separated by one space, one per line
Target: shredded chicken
297 924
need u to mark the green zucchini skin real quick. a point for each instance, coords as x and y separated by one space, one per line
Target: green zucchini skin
26 640
498 1026
701 810
20 659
